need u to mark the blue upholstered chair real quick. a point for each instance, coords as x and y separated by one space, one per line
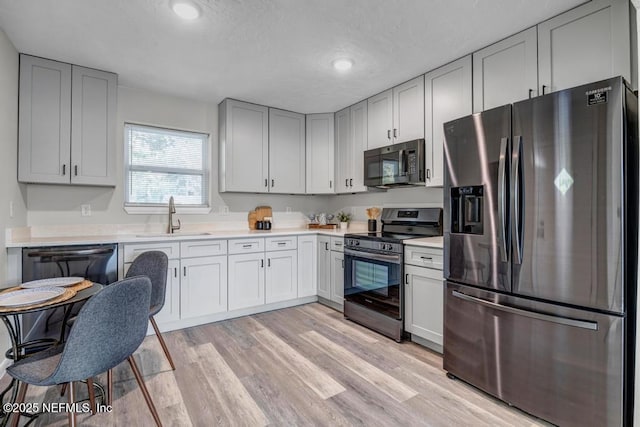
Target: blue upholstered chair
106 332
153 264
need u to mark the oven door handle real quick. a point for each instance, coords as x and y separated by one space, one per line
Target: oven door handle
395 259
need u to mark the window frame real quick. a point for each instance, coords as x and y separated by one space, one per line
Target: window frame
160 208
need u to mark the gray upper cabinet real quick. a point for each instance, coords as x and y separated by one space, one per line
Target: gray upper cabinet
93 125
586 44
396 115
286 152
351 142
380 120
447 97
320 154
244 146
67 124
506 71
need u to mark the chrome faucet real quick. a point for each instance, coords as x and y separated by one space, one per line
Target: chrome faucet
172 209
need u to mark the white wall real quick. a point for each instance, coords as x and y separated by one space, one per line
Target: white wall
60 205
10 191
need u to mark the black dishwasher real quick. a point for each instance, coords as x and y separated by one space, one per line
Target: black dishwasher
98 263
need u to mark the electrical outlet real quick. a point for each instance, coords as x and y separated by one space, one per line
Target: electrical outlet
86 210
224 210
353 211
288 209
11 209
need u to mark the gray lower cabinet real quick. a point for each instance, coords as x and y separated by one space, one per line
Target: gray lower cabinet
331 271
246 280
203 288
307 266
424 300
67 124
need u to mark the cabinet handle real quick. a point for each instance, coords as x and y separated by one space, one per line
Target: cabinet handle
64 170
175 271
338 244
388 133
406 278
343 264
268 262
428 173
282 243
330 184
247 246
395 132
75 170
326 246
262 263
346 182
426 258
266 182
273 183
544 87
351 182
184 271
530 93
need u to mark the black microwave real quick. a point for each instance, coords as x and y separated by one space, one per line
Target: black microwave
395 165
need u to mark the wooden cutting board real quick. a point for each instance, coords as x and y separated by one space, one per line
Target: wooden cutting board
262 212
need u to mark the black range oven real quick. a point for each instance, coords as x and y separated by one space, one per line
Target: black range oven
374 268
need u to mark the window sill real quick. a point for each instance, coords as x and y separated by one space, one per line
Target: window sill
164 210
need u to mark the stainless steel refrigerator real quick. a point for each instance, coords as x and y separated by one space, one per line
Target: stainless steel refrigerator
540 232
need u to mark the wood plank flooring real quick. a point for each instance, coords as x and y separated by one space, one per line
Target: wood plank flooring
298 366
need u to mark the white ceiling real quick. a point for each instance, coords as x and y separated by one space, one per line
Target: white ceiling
272 52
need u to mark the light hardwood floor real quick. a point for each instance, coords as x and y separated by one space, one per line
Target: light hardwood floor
298 366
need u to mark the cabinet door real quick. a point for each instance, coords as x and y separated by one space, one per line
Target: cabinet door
343 150
44 129
171 309
324 267
424 303
586 44
447 97
246 280
244 146
286 152
506 71
337 277
359 132
281 276
203 286
307 266
380 119
93 127
320 154
408 110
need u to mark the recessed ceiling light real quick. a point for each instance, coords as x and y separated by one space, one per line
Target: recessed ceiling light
343 64
185 9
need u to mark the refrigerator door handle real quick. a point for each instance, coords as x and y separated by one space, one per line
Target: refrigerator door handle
583 324
505 241
517 198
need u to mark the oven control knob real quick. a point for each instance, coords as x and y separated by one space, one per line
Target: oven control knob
356 243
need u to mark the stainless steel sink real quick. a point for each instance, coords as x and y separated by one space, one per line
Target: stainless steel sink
173 234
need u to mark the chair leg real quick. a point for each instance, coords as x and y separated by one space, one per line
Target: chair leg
162 343
63 390
144 390
110 387
22 392
92 395
72 413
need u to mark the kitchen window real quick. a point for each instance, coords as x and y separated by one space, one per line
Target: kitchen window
161 163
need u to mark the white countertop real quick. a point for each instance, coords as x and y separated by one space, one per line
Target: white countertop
32 241
427 242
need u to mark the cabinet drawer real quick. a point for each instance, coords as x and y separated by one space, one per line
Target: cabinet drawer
337 244
244 246
423 257
281 243
198 248
131 251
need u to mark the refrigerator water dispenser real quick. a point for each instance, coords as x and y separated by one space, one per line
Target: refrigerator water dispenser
466 210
